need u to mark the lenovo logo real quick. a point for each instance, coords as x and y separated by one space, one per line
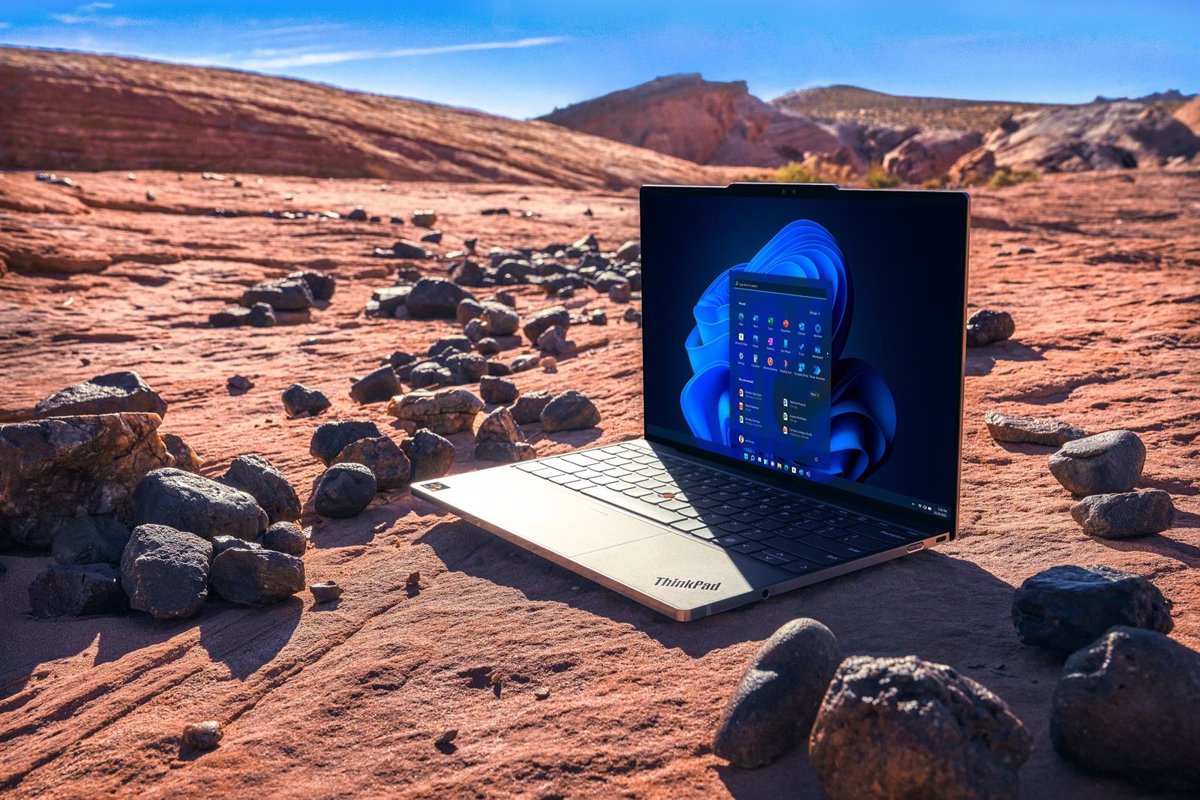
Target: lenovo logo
678 583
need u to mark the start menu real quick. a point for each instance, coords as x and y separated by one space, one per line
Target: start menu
779 329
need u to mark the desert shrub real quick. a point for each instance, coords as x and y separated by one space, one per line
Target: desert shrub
795 172
1010 177
877 178
935 183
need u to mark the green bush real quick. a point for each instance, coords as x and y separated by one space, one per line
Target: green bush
795 172
878 179
1008 177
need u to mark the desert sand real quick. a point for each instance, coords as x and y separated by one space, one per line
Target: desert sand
347 700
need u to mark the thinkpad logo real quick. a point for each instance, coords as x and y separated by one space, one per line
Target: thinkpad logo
679 583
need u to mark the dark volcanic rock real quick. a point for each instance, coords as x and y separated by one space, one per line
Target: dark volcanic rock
196 504
329 439
104 394
499 439
285 294
56 469
345 490
1124 515
406 248
90 540
230 317
77 589
383 457
203 735
487 346
431 455
429 373
620 292
525 362
165 571
1101 464
325 592
569 411
545 319
499 319
262 316
775 702
904 727
1129 705
1020 429
222 543
320 285
554 342
497 390
1065 608
468 309
528 408
256 577
449 345
284 537
986 326
299 399
435 297
377 386
257 477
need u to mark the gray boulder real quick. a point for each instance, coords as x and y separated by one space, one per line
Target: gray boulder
528 407
329 439
1129 705
1125 515
569 411
431 455
1020 429
90 540
986 326
435 297
258 478
904 727
112 393
499 319
383 457
545 319
775 702
256 577
262 316
377 386
321 285
1062 609
345 490
76 590
284 537
165 571
497 390
1101 464
196 504
299 399
284 294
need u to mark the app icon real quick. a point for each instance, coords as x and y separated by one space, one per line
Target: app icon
745 456
800 367
801 327
793 470
785 323
785 430
741 336
785 402
770 341
741 440
770 361
741 316
741 392
816 369
741 406
756 338
756 319
817 329
756 358
785 363
817 349
785 343
741 356
800 347
785 416
770 320
741 418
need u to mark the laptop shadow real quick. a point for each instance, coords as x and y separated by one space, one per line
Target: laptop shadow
926 603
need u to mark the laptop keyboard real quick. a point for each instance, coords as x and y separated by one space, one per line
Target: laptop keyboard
797 534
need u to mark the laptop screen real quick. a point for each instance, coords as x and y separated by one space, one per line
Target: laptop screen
817 336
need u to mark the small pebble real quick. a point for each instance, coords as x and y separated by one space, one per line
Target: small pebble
203 735
325 591
550 364
446 737
542 692
413 581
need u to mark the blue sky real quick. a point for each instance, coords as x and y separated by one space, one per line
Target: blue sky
524 58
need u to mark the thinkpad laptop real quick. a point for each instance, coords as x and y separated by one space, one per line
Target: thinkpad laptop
803 353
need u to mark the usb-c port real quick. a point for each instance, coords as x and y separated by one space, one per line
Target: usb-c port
943 538
915 546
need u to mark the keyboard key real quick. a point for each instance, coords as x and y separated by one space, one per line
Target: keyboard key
578 485
834 546
747 548
748 517
688 525
630 504
802 550
865 543
800 567
581 459
756 534
775 558
729 540
563 479
733 526
619 486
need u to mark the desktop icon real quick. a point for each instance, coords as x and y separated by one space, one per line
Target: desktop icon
785 430
817 329
741 356
816 369
741 406
770 321
770 361
801 328
770 341
785 402
741 392
793 470
785 343
756 358
756 319
785 323
785 417
816 349
741 336
741 418
800 367
741 316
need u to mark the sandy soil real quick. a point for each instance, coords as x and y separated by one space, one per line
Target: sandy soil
347 700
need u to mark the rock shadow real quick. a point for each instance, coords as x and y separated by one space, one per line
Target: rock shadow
981 360
385 510
576 439
245 639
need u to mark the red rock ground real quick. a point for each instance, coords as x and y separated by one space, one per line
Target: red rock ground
325 702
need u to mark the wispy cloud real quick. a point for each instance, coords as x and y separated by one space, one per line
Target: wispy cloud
94 14
4 25
268 59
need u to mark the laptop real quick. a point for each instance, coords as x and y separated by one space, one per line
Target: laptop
803 354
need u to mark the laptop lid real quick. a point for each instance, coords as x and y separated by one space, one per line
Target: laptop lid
811 335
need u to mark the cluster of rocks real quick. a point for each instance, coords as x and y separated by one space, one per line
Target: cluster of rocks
259 305
1100 470
874 727
1122 674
